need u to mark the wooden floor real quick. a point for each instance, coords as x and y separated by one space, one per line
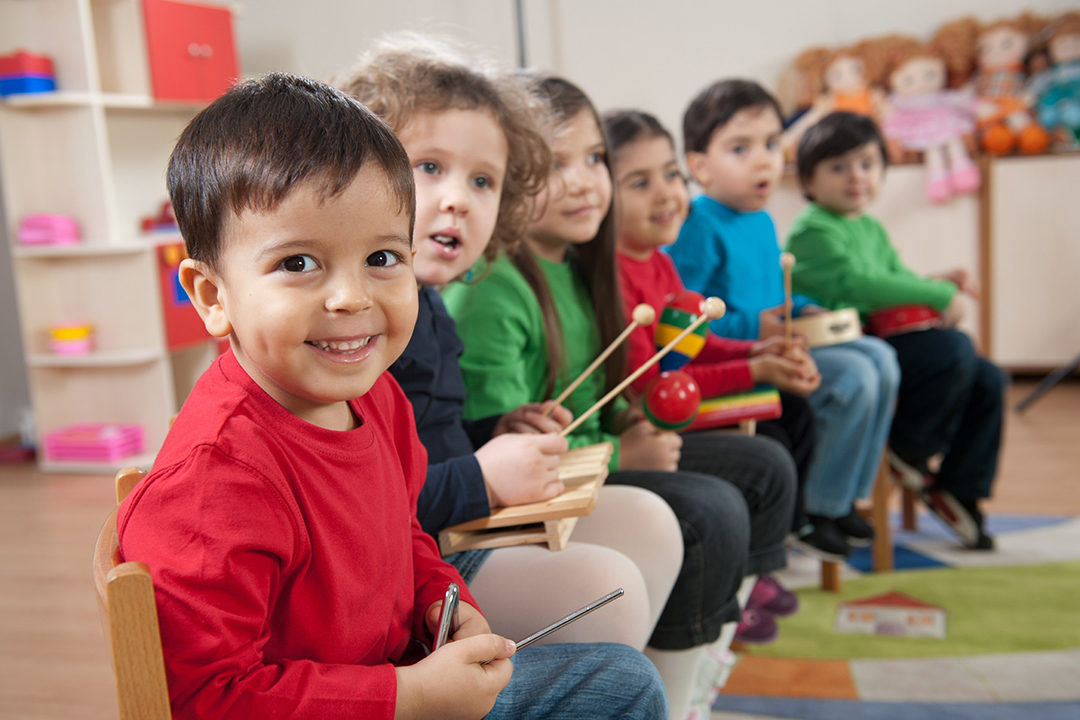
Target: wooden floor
53 661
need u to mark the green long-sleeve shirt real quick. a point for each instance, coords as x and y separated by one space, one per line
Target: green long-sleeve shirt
849 262
505 360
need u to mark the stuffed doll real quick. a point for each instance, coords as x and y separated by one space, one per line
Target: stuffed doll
924 115
995 54
1058 89
833 80
799 87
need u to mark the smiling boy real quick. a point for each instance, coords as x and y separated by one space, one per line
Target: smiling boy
292 578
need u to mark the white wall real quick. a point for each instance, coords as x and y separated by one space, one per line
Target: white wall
321 37
652 55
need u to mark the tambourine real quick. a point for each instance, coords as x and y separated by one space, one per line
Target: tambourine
902 319
829 328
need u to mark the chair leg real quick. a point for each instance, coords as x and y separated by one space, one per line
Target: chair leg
883 542
830 576
910 503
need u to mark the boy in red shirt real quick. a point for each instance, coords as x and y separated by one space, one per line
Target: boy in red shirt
292 576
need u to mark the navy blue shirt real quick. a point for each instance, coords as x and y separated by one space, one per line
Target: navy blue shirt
428 372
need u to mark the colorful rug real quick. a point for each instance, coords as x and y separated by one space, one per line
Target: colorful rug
1012 644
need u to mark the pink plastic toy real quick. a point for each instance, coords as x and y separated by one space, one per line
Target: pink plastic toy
98 442
49 229
71 338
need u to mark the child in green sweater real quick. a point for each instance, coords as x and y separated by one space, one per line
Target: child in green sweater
950 399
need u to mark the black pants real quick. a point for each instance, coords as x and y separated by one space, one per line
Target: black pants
795 430
716 538
731 527
950 401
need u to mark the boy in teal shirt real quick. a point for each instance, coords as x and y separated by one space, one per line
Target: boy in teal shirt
728 247
950 400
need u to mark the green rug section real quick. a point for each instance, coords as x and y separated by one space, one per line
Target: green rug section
989 610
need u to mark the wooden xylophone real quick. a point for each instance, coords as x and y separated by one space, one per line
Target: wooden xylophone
582 470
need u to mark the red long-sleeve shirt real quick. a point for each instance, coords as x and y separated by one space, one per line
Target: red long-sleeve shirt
291 574
720 368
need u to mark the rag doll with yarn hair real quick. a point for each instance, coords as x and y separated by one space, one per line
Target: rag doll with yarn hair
822 80
924 115
990 57
1058 89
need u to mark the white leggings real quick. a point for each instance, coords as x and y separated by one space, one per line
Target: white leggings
631 540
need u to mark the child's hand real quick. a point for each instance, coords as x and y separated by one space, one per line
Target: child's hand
963 281
953 314
643 446
775 345
470 621
786 373
808 368
808 310
533 418
771 322
453 682
521 468
632 415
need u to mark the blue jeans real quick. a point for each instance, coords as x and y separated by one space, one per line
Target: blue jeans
574 681
854 408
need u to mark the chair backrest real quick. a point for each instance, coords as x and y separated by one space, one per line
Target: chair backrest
126 597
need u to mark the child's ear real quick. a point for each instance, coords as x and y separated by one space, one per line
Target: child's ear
695 163
204 288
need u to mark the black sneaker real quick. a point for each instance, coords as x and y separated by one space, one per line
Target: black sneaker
858 532
955 516
821 538
983 540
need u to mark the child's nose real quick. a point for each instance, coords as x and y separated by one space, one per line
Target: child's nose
576 179
348 294
455 198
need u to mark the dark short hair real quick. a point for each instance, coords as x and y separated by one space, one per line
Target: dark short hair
713 108
835 134
623 127
251 147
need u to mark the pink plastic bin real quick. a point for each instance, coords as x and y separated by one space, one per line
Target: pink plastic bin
49 229
96 442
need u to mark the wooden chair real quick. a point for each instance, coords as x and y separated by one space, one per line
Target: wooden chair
126 597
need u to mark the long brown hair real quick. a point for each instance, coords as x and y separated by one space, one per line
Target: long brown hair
595 258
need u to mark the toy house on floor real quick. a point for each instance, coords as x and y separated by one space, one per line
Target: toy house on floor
891 613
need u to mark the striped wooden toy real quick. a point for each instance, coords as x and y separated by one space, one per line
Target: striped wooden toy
676 317
761 403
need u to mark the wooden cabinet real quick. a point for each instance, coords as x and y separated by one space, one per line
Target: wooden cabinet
95 150
1033 248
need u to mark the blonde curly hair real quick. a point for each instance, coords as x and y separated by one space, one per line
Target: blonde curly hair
407 74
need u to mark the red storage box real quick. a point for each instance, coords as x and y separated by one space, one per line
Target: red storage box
22 62
192 50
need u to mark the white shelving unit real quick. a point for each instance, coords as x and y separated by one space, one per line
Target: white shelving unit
96 150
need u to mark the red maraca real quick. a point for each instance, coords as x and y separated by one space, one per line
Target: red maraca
672 400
